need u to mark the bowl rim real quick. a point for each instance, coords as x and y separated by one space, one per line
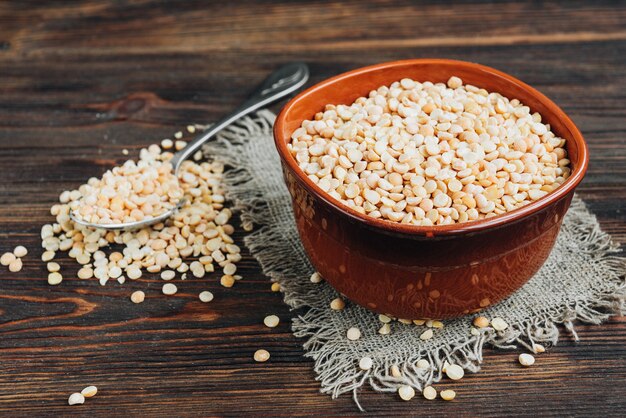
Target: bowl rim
436 230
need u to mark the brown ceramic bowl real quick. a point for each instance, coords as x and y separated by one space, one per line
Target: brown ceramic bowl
424 272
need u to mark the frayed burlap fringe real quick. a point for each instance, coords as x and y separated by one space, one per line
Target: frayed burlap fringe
583 280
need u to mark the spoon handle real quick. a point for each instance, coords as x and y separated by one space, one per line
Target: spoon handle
279 84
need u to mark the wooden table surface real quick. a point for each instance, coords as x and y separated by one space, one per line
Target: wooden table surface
81 80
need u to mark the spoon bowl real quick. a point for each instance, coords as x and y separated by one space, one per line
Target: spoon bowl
131 226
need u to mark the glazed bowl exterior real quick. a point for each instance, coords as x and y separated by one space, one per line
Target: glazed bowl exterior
416 272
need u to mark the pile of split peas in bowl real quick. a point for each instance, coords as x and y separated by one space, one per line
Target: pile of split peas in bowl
424 154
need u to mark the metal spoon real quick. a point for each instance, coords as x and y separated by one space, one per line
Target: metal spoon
279 84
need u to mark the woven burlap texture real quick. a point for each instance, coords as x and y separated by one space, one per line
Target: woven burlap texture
583 280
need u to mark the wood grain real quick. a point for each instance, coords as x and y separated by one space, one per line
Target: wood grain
80 81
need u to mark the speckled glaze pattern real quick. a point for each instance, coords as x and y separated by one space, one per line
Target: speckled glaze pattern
424 272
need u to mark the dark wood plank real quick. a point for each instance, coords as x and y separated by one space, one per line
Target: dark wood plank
80 81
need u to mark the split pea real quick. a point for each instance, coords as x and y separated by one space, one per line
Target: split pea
353 334
138 296
52 267
85 273
448 395
7 258
426 335
316 277
366 363
429 393
526 359
76 399
261 355
455 372
47 256
422 364
271 321
89 391
227 281
169 289
54 279
206 296
15 265
168 274
406 392
499 324
20 251
337 304
481 322
384 319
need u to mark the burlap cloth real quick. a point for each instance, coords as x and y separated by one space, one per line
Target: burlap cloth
583 280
